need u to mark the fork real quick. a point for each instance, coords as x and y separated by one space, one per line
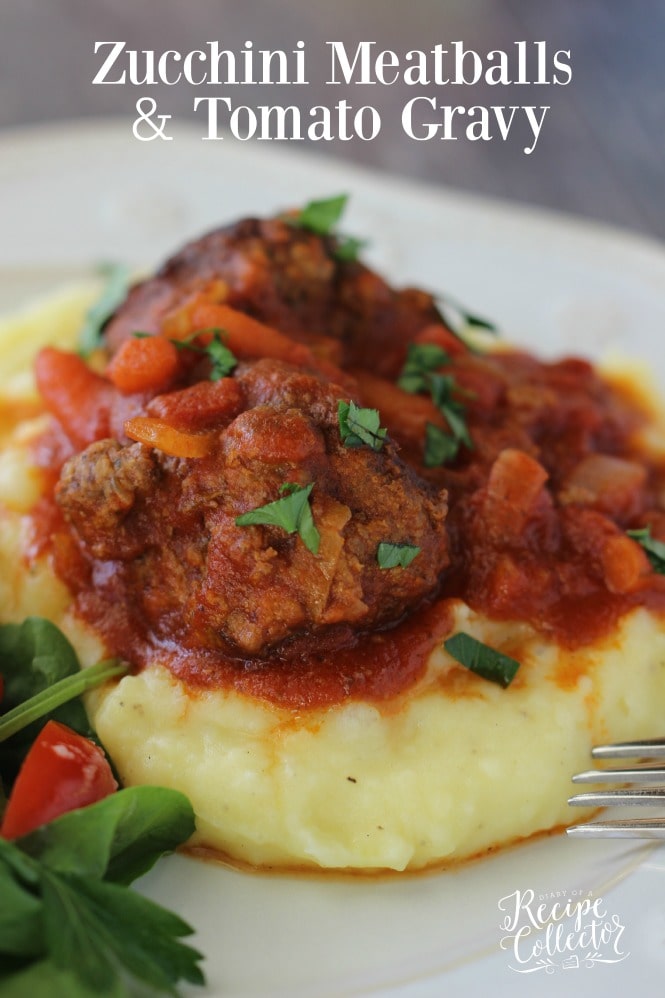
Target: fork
648 774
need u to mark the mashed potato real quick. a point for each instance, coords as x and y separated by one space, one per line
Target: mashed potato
453 766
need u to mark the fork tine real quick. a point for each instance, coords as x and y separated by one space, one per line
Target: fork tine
627 828
613 798
642 774
653 748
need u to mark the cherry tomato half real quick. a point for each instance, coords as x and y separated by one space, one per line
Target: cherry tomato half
61 772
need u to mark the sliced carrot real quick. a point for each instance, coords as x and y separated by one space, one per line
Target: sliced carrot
79 398
244 336
148 363
404 414
157 433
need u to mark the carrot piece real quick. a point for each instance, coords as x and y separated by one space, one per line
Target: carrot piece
143 364
404 414
157 433
79 398
244 336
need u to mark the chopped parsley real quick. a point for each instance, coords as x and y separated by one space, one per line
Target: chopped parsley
422 359
115 290
421 373
347 248
391 555
440 447
321 217
655 550
222 361
292 513
441 388
480 658
464 317
359 426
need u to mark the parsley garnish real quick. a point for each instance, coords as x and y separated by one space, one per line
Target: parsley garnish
441 388
347 248
360 426
422 359
292 513
321 217
421 374
440 447
480 658
391 555
655 550
468 318
113 294
222 361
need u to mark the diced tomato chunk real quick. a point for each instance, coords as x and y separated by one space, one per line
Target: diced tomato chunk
199 406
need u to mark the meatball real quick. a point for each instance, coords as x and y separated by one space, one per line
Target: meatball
293 280
172 524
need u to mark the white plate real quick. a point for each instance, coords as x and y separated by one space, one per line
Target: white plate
73 195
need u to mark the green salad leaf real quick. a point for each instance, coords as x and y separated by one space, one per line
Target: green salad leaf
72 926
42 681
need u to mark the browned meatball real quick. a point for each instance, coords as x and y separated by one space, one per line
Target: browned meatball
172 523
291 279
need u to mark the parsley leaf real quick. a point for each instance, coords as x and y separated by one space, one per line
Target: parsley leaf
391 555
422 359
480 658
441 388
655 550
421 373
440 447
321 217
74 929
467 318
222 360
114 293
347 248
292 513
360 426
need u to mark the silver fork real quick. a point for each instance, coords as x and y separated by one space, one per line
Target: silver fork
649 775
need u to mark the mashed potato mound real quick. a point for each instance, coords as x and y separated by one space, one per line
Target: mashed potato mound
448 769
